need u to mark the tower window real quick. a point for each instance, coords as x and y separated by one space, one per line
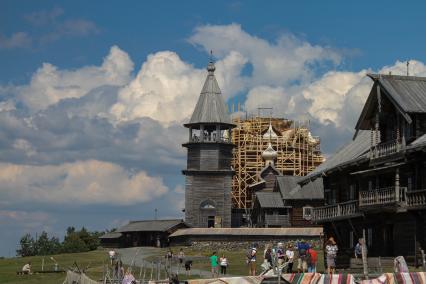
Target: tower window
207 204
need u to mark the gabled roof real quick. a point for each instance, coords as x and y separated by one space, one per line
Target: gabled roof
111 235
270 199
406 93
263 173
291 189
210 107
352 151
150 225
409 92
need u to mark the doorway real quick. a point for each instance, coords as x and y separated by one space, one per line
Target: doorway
388 239
210 222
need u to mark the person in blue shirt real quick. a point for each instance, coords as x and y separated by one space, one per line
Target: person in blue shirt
302 248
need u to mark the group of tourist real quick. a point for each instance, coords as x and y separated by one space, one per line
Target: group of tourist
285 256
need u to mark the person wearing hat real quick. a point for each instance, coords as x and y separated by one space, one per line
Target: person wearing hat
251 260
331 253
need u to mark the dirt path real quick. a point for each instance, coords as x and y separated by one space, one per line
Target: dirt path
137 256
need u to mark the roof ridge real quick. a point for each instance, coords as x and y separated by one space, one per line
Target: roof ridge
151 220
376 76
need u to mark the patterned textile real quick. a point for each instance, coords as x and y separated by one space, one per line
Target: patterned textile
398 278
229 280
317 278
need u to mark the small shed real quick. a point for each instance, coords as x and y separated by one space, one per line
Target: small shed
143 233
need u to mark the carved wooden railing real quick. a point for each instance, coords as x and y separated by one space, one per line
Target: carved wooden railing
385 149
416 198
209 138
382 196
277 220
330 212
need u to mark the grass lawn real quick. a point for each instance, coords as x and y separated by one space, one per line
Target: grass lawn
94 260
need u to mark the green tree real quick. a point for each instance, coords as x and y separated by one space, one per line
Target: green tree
73 243
27 246
46 246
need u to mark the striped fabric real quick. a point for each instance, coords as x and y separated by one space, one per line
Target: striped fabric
398 278
229 280
317 278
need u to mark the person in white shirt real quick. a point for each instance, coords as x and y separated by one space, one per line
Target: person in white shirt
290 258
223 262
111 254
26 269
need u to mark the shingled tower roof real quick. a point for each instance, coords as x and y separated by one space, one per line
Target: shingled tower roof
210 107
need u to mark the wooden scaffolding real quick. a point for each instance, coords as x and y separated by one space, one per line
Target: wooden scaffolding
298 152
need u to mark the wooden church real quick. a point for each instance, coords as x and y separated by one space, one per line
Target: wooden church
208 173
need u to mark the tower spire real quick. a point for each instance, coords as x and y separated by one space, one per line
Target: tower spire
210 67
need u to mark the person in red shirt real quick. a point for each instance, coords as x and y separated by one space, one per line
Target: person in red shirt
312 260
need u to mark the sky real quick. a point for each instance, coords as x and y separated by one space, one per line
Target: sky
93 94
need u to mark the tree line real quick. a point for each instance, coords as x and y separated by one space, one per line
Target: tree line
74 241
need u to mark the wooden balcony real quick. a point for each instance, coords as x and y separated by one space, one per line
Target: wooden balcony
336 212
383 196
385 149
416 199
277 220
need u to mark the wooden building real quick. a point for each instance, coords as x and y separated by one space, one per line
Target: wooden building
236 236
377 183
209 175
279 201
143 233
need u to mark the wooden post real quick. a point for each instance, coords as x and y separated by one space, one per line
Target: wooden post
364 255
201 133
397 184
158 269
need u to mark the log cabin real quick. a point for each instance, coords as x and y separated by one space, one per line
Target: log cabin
377 183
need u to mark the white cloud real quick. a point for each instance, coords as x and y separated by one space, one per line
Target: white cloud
83 182
327 94
279 63
16 40
71 28
336 97
49 84
166 88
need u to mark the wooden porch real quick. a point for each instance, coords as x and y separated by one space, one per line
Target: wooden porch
390 196
338 211
416 199
383 196
385 149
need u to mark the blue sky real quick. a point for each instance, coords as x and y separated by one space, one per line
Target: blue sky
93 93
